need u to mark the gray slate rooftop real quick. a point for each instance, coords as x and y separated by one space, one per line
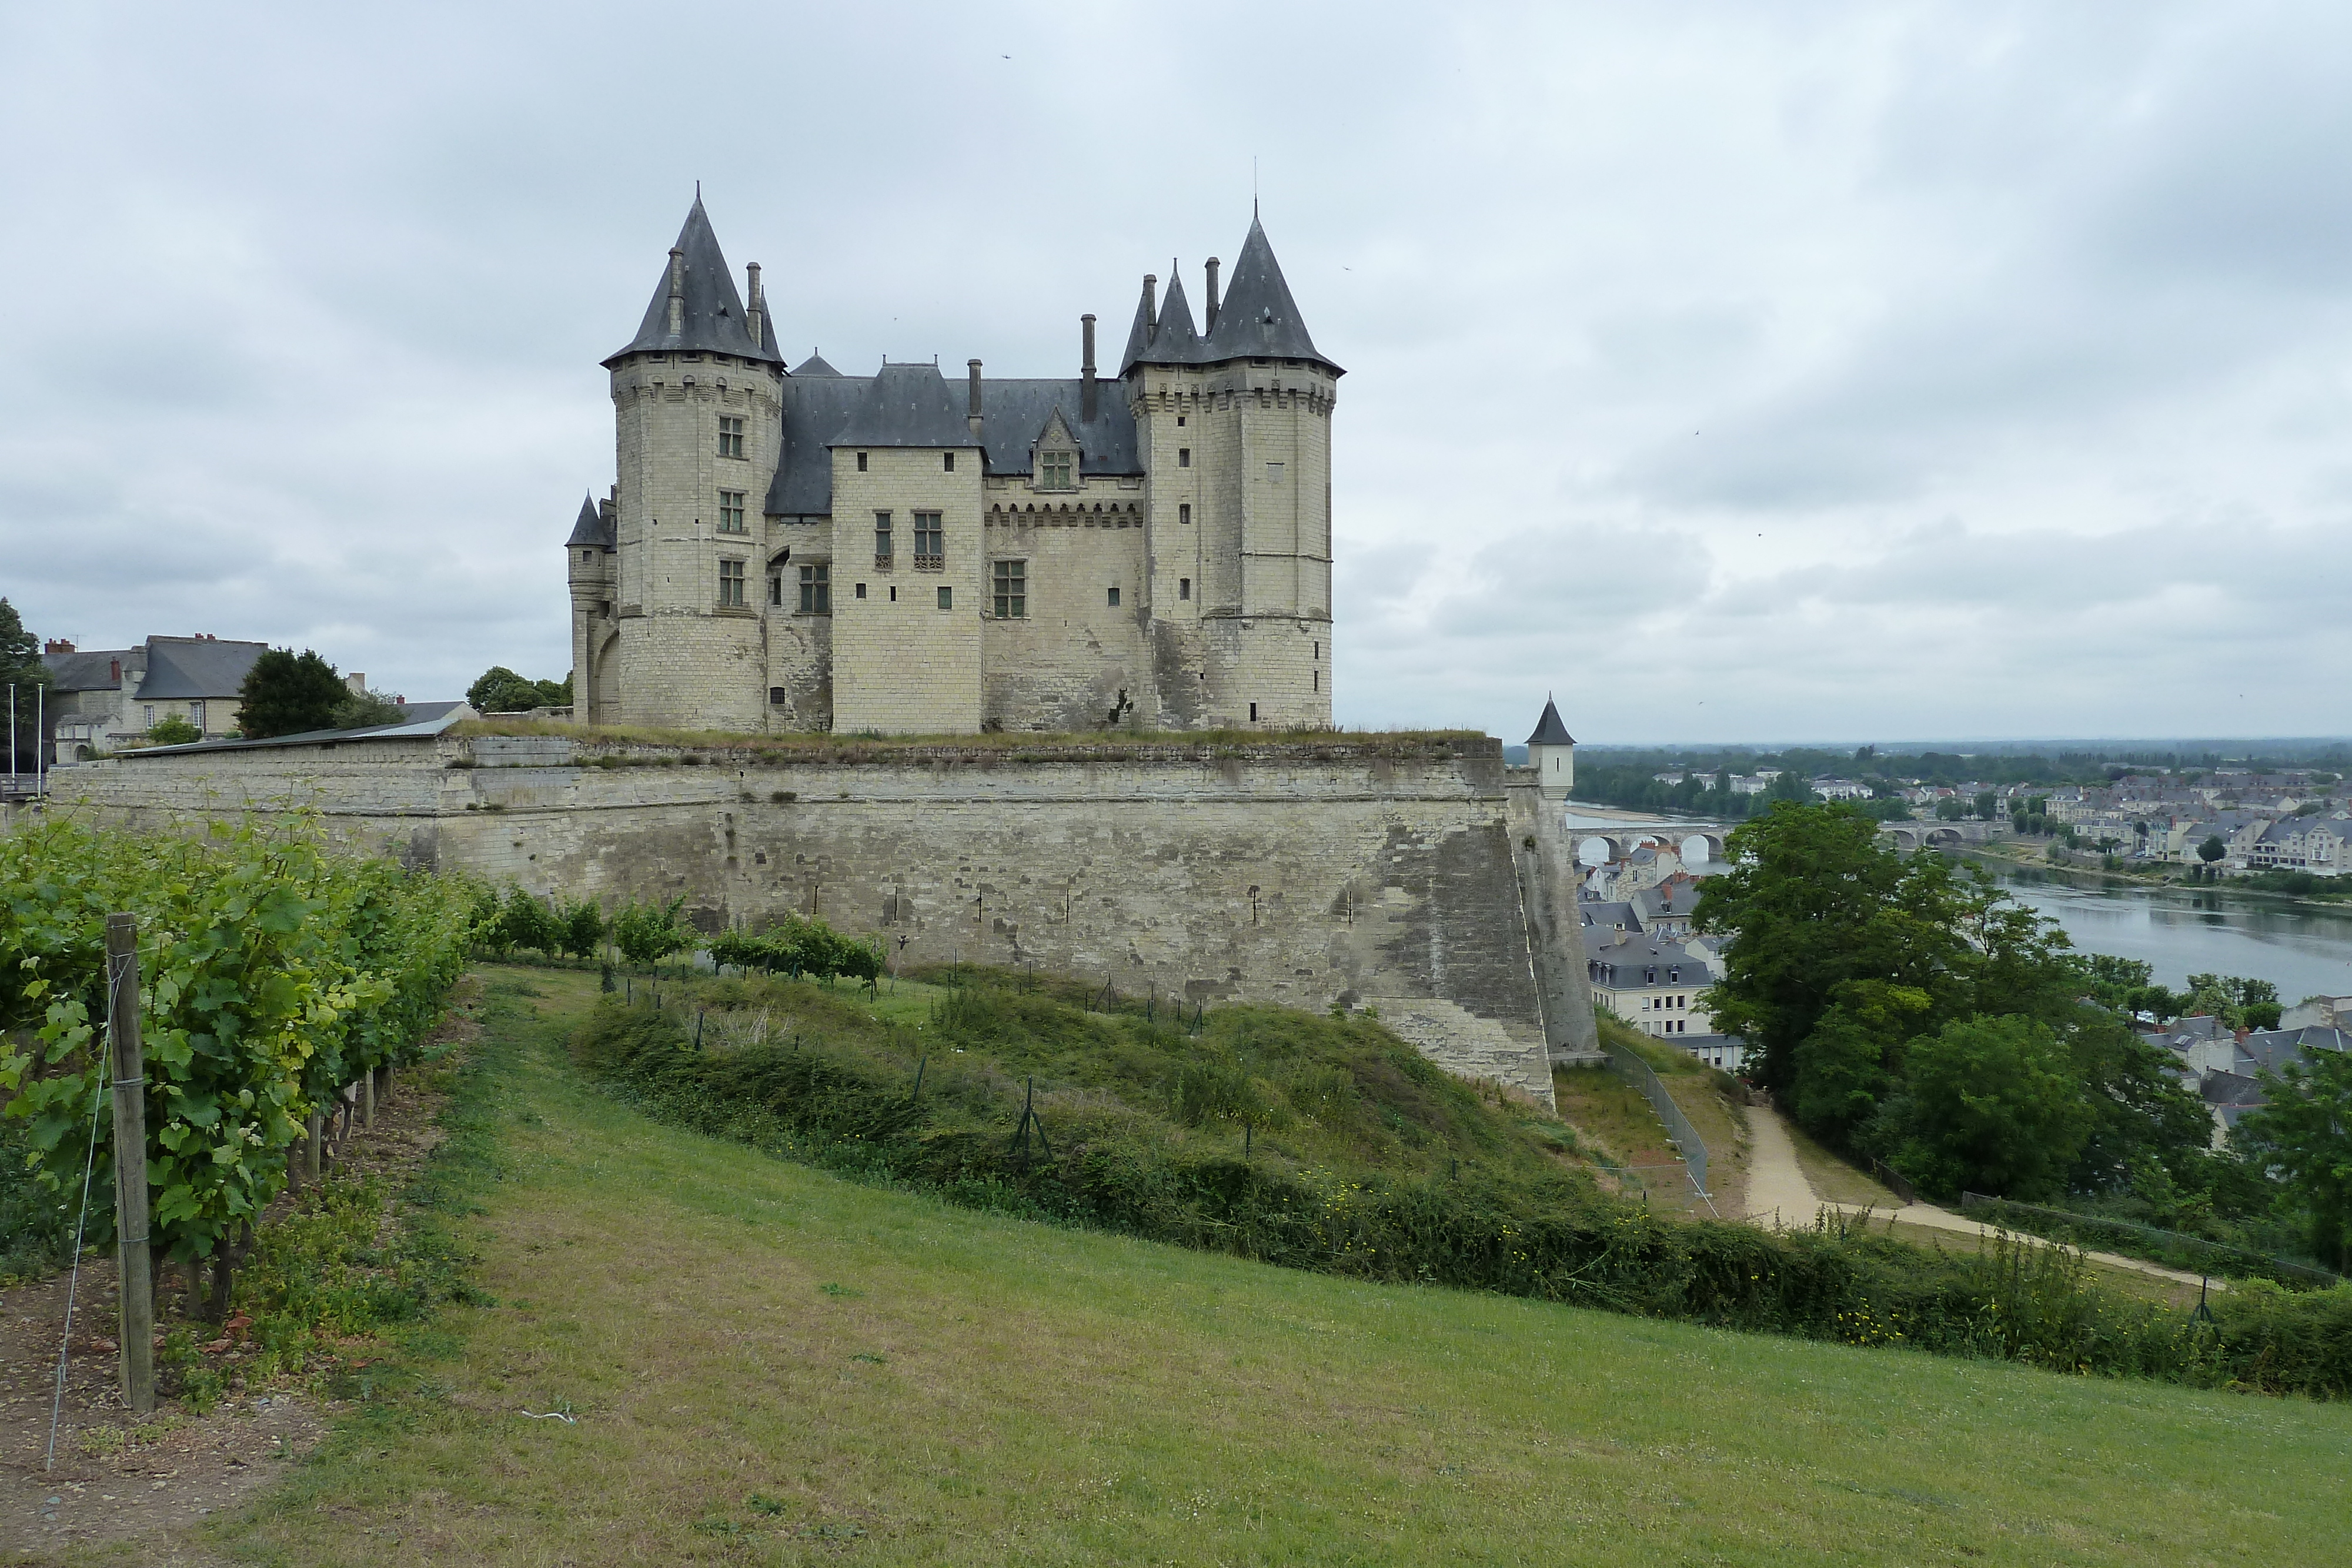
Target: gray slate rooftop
714 320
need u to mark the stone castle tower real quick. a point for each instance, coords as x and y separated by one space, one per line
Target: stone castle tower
801 549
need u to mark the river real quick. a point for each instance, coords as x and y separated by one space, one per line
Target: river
2302 949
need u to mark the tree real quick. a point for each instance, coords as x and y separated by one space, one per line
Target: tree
2236 1000
284 694
362 710
2212 849
2305 1136
21 666
1850 1061
173 730
1988 804
1992 1104
500 690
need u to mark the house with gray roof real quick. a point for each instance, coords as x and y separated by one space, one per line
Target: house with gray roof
907 551
108 697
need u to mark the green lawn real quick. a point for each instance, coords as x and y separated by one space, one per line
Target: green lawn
769 1364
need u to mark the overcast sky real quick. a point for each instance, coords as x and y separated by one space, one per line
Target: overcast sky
1734 372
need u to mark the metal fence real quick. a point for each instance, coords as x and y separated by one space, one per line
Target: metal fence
1688 1144
2187 1251
22 783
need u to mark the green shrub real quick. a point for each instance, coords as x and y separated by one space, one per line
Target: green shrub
1140 1143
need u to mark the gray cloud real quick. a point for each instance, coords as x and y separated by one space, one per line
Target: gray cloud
1829 369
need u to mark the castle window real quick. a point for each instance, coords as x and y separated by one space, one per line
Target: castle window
861 591
947 597
778 696
882 539
1274 473
730 436
1114 599
1184 514
1183 457
931 543
731 511
817 588
950 463
1179 422
730 583
1252 712
861 463
587 555
1316 682
1183 588
1053 471
1012 590
776 592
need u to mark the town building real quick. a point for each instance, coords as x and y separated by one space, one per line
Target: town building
106 697
805 550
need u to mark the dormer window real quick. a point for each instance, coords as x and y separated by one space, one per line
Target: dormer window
1054 470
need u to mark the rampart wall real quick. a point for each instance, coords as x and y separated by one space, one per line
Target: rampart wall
1386 873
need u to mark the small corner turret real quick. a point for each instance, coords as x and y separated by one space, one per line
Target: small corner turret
1551 752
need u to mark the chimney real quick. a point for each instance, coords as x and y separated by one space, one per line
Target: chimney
677 291
56 645
1212 295
114 671
1087 370
357 682
971 401
1150 306
752 317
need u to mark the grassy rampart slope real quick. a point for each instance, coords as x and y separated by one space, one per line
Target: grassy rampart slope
769 1365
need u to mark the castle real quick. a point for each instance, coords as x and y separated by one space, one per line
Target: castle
801 549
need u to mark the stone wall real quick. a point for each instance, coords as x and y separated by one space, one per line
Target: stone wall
1386 871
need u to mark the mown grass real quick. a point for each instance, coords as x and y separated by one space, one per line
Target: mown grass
769 1365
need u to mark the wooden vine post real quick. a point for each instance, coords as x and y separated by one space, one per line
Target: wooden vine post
136 1290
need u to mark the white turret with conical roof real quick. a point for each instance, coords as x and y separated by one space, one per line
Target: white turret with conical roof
1551 752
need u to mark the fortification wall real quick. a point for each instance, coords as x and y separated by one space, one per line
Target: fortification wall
1374 874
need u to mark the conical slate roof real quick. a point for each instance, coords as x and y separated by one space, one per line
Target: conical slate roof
1549 731
907 405
590 529
815 365
1258 318
1177 341
713 320
1139 337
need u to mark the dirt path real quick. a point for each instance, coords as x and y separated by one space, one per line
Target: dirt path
1778 1195
1778 1192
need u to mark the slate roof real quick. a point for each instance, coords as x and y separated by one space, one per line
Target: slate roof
1258 318
1176 340
418 721
813 365
1549 730
2274 1048
818 408
1633 961
98 670
180 667
714 320
1609 916
592 528
907 405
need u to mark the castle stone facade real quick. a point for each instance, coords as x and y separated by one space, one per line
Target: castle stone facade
801 549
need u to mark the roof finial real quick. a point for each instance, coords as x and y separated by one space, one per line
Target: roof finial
698 190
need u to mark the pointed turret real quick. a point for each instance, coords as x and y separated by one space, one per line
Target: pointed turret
588 533
1258 318
1174 340
1551 752
1147 318
695 308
